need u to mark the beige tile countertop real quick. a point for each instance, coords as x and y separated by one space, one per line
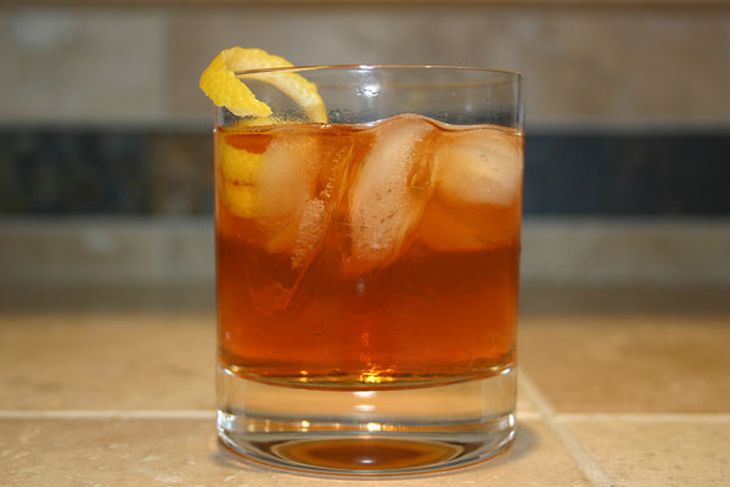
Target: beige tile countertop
114 387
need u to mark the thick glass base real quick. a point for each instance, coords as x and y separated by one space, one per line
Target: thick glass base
367 432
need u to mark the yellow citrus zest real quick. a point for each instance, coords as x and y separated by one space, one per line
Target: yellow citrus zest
225 88
238 165
239 170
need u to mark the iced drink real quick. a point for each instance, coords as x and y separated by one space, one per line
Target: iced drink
367 239
359 255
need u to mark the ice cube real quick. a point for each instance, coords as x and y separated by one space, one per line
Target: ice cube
479 166
285 177
310 232
468 229
269 189
390 191
273 292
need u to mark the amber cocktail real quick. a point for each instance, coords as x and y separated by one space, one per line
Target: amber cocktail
367 272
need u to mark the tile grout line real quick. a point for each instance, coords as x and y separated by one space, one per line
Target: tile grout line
108 414
146 414
521 415
643 417
590 468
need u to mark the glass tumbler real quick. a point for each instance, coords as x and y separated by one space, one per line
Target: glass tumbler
367 269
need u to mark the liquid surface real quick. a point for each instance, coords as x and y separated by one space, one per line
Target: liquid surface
351 256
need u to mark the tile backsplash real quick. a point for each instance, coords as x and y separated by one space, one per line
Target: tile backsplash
628 137
628 109
168 172
128 251
616 66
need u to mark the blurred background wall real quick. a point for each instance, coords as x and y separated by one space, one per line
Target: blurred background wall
105 138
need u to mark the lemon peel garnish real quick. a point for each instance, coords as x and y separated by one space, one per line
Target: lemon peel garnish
238 166
240 200
225 88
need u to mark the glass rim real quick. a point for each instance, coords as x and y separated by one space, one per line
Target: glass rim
375 67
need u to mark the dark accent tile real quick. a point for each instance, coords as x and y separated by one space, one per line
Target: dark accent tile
182 174
644 174
50 171
116 171
169 172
